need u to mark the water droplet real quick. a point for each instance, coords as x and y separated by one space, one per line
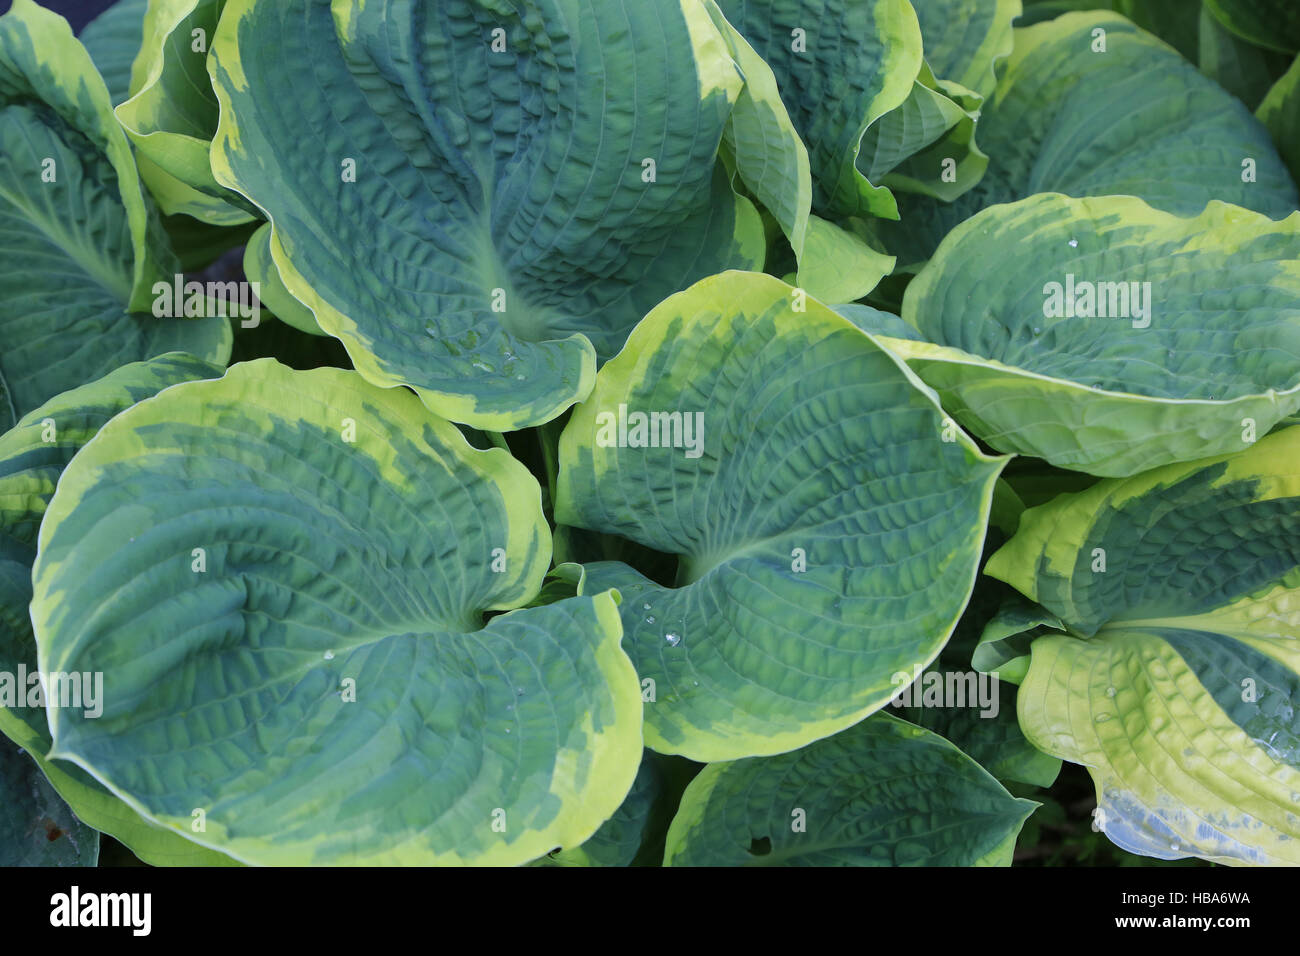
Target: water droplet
510 706
483 367
519 692
672 639
1037 330
329 655
507 730
1074 243
695 683
1111 692
520 377
650 620
645 606
1102 718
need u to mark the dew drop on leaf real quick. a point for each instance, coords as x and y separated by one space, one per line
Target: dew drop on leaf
329 655
672 639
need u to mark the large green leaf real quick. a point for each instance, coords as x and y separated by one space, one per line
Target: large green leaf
840 65
290 574
1272 24
1109 337
883 793
1137 119
530 179
1176 684
82 246
32 457
828 517
36 827
113 39
1280 112
172 113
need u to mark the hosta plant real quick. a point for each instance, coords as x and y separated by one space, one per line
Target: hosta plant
579 433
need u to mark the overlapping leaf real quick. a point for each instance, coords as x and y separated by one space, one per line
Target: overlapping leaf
259 267
883 793
828 522
171 115
479 198
292 573
1128 338
33 455
82 245
1272 24
113 39
1280 112
852 76
1178 680
1136 119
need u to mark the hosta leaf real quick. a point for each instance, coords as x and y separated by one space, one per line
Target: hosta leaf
1135 120
876 322
300 567
1245 71
839 265
32 457
1174 21
512 187
172 113
1272 24
758 138
113 39
620 838
841 65
883 793
908 148
1006 639
259 267
966 39
1036 11
827 533
1177 682
82 247
36 827
1280 112
1181 339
